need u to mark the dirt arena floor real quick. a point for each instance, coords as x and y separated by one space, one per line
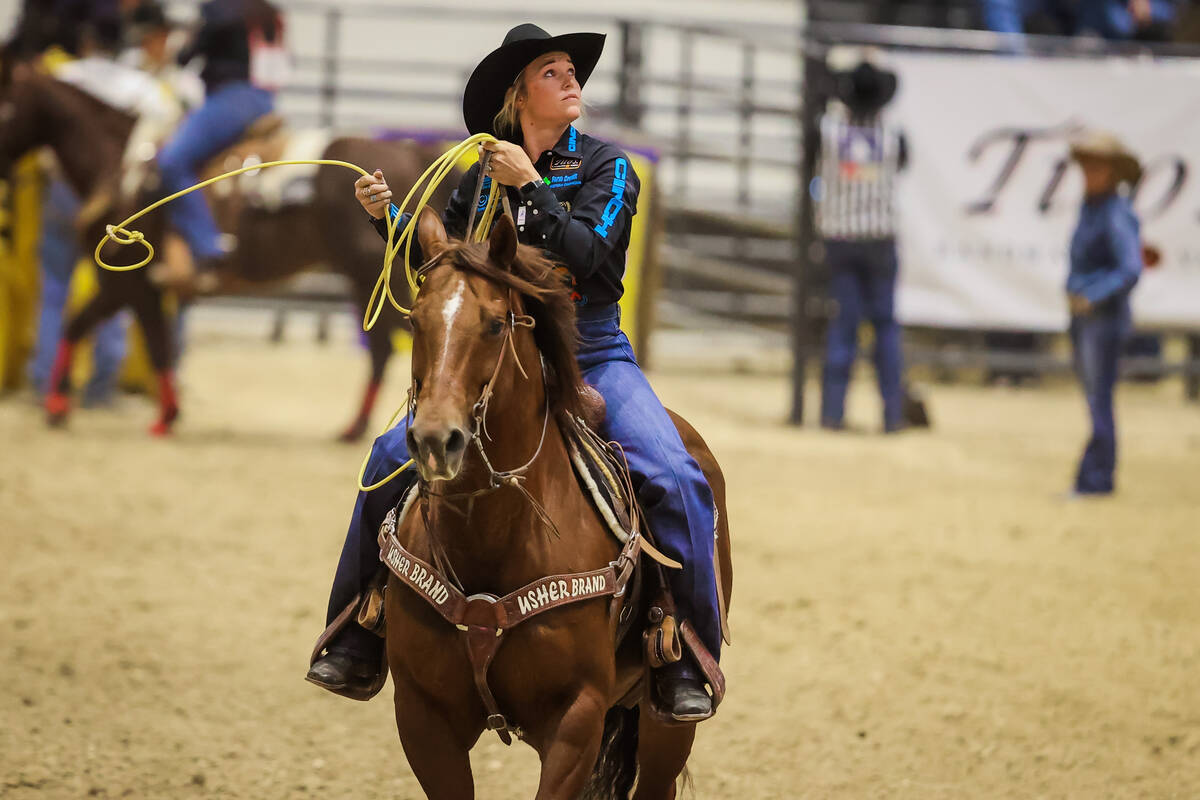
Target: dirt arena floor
918 616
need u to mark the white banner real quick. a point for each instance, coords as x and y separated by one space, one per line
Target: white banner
989 201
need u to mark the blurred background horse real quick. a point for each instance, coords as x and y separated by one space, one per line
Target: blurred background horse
325 230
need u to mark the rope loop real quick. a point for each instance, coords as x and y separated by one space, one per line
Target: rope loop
121 234
124 237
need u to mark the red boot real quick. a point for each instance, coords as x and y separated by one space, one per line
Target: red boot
167 403
58 399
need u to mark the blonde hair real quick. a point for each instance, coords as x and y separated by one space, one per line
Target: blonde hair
507 121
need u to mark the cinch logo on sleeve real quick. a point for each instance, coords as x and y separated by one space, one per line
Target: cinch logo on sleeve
483 194
615 203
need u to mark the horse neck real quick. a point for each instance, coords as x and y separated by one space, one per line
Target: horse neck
88 137
502 532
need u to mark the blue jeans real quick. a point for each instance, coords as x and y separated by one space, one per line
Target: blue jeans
1097 340
863 282
673 492
214 126
59 252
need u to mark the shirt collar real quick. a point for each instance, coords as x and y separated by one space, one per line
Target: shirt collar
568 144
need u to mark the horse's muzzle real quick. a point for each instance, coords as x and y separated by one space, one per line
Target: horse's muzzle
437 449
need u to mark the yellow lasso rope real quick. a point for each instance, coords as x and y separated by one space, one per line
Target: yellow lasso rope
436 173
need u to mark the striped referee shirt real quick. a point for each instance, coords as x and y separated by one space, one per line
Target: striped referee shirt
858 168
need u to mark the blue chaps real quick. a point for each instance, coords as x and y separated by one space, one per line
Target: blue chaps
1097 339
219 123
673 492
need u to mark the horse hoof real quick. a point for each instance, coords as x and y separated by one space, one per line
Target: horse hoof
354 433
58 406
162 427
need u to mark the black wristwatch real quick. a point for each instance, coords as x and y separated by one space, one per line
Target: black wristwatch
530 187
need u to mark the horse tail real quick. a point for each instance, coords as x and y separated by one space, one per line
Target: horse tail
616 766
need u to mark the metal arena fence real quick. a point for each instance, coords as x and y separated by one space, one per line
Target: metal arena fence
727 107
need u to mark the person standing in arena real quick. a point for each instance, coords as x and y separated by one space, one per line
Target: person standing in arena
1106 262
574 196
860 157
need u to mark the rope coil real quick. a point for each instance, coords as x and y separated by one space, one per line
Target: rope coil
121 234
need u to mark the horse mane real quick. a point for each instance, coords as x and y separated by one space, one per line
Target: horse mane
548 300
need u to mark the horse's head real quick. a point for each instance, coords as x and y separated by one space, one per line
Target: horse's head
460 324
468 314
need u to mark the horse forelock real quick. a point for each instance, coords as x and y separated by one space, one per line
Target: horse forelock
547 299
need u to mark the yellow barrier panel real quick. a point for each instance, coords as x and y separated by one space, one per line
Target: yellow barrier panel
18 271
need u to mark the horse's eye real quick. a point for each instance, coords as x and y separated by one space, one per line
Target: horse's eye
496 327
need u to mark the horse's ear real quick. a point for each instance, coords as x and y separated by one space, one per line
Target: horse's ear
431 233
502 244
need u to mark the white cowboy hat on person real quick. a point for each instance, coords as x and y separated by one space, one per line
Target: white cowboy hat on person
1099 144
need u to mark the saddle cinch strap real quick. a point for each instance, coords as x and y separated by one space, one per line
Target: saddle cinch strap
484 619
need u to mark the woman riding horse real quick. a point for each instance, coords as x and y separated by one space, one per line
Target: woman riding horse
574 196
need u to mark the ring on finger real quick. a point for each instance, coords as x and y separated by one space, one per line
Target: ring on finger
373 198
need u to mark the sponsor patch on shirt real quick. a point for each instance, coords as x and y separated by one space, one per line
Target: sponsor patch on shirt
561 163
562 181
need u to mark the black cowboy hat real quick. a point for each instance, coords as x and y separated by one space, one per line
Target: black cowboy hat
484 95
865 88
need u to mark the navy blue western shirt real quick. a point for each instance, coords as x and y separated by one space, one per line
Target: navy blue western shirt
581 213
1106 252
223 39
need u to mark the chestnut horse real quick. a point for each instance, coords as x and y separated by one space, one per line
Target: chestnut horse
558 677
88 137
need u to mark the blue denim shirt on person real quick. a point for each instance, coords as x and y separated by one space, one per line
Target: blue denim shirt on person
582 215
1106 261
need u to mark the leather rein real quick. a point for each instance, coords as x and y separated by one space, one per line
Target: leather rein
483 619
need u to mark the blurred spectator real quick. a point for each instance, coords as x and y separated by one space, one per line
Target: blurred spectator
73 26
1143 20
860 156
1149 20
1106 261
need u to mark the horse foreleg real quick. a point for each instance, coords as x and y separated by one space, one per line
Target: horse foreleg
663 752
379 341
570 747
58 395
438 754
147 307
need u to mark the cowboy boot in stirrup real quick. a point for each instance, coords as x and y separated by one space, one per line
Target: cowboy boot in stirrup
340 669
682 692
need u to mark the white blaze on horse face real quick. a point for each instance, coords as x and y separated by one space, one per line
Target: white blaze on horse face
450 311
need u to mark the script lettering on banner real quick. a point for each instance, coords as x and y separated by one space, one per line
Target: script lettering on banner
990 199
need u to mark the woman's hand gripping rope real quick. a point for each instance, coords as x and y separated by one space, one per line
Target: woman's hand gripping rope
123 235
